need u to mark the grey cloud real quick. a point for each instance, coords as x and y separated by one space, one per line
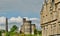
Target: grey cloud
22 5
10 24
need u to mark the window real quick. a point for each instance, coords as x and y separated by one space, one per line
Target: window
43 16
51 9
46 27
54 25
51 28
52 1
59 9
46 15
59 25
50 13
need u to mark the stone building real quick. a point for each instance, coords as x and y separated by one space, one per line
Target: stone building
33 27
27 27
50 18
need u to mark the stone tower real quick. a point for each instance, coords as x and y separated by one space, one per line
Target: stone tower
6 25
33 27
27 27
50 18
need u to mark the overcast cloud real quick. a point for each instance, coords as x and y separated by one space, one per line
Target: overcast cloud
21 5
17 21
14 8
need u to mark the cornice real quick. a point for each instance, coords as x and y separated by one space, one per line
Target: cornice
49 22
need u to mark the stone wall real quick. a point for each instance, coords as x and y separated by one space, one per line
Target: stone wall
50 18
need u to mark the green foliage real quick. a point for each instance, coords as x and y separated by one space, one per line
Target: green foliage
0 33
7 34
39 32
35 31
3 31
14 28
12 31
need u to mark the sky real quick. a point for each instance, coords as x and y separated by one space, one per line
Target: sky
16 10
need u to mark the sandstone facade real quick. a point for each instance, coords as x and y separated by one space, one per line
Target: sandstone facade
50 18
27 27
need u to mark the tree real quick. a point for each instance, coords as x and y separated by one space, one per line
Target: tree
0 33
35 31
14 28
39 32
3 31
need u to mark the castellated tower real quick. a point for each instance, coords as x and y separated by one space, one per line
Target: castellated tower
27 27
50 18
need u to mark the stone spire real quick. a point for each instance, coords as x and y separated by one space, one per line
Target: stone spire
45 1
45 4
